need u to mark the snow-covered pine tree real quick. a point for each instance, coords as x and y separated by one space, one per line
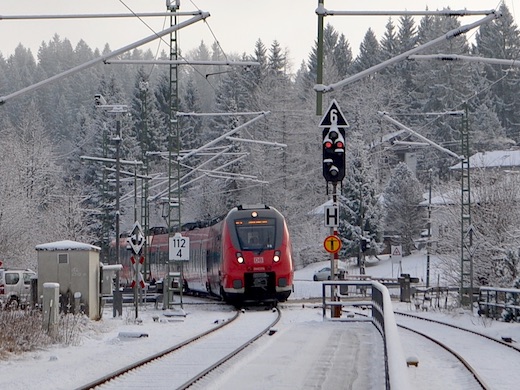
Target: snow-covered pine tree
21 70
406 40
370 53
361 213
404 217
501 39
440 87
389 42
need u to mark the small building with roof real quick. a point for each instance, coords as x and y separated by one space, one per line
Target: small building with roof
75 266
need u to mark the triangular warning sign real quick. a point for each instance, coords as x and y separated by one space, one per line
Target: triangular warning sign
397 251
333 116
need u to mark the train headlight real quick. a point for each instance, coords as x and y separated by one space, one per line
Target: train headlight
276 257
240 259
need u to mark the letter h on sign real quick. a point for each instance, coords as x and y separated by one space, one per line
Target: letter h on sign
331 216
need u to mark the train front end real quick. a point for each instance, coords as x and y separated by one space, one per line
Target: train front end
256 256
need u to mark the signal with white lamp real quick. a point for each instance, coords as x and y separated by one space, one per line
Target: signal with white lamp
334 154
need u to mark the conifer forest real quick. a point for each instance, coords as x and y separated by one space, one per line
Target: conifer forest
51 192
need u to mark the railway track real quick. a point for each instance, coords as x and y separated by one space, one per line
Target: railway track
182 365
492 363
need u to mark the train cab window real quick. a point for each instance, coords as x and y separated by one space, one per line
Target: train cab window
253 238
12 278
256 234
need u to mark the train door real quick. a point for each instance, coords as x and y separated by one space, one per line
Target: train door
213 262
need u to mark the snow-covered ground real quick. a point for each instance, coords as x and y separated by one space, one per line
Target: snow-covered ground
103 350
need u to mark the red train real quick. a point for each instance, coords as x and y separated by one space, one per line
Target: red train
243 257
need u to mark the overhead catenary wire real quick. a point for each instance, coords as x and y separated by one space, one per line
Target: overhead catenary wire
222 137
193 170
321 10
183 62
221 113
401 57
212 33
458 57
167 15
139 15
88 64
256 142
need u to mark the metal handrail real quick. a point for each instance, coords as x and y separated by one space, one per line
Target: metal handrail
493 301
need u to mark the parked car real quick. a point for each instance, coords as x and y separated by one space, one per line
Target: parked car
15 286
322 274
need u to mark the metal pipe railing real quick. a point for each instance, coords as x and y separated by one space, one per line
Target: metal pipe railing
496 302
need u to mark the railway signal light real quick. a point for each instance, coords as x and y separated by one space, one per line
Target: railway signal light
334 154
365 244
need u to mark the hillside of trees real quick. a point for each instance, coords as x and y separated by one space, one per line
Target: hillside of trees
49 192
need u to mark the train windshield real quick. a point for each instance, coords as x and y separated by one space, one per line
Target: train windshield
256 234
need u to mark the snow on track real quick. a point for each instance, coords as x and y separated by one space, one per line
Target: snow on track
479 352
175 369
307 353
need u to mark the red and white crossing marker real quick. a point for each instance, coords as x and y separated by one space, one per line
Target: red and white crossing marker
137 269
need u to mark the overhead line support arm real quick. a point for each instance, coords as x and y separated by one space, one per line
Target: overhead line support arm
88 64
407 129
223 137
449 35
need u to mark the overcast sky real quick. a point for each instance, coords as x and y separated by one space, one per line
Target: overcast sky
235 24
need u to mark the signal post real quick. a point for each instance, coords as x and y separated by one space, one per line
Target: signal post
333 146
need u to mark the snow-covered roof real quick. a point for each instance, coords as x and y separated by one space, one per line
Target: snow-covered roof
445 199
320 210
493 159
67 245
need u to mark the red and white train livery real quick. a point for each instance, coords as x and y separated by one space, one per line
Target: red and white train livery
244 257
256 255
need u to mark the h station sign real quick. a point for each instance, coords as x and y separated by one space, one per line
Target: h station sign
331 216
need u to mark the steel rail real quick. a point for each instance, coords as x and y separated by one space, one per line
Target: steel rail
156 356
503 343
178 348
468 366
232 354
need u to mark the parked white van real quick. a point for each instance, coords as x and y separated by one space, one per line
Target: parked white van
15 286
